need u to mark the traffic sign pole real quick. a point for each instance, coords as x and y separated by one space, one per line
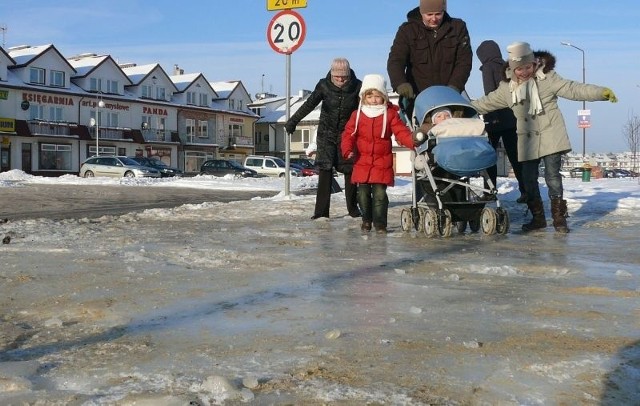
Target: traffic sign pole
285 33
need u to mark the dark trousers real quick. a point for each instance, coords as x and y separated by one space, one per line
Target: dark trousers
374 203
323 195
510 144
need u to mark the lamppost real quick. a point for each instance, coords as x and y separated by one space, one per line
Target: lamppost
95 122
584 104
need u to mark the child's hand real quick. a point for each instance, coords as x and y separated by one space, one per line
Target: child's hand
350 155
609 95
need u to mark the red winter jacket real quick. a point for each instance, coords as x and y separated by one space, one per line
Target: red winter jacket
373 151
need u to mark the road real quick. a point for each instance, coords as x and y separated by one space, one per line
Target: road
77 201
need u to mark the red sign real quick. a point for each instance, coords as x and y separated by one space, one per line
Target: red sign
286 32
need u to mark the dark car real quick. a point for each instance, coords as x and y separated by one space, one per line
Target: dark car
304 162
223 167
165 170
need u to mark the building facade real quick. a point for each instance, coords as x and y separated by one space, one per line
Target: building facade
55 112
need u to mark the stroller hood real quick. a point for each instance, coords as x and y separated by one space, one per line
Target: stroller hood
435 97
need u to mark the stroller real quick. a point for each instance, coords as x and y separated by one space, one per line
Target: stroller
446 168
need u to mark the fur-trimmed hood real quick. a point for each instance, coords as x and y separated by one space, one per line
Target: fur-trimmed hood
545 59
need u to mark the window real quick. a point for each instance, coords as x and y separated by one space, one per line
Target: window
36 76
191 128
146 122
235 130
55 157
301 136
203 128
204 99
95 84
113 86
191 98
56 78
111 120
239 104
36 112
232 104
146 91
160 93
56 114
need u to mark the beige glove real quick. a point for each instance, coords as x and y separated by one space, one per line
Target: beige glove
405 90
609 95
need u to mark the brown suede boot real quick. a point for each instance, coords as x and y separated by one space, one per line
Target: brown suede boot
539 220
559 214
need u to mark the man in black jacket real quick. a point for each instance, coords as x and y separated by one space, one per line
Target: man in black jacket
338 92
500 124
430 48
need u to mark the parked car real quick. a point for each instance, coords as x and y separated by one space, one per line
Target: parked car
305 171
222 167
304 162
116 166
576 172
619 173
165 170
269 166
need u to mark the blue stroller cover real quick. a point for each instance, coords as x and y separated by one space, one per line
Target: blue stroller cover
464 156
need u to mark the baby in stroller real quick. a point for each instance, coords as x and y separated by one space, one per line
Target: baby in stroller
455 148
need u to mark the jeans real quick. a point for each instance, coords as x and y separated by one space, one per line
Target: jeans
530 173
374 203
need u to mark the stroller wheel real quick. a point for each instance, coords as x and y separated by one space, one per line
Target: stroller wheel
461 226
429 222
406 220
488 220
502 223
445 226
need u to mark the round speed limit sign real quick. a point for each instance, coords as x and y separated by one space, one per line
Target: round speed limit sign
286 31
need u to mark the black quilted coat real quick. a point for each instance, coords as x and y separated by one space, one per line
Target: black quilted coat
337 105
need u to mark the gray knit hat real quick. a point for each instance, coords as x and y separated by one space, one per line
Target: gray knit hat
432 6
520 53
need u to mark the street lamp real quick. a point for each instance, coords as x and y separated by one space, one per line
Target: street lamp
584 104
95 122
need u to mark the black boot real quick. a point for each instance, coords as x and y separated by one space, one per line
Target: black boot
559 214
538 221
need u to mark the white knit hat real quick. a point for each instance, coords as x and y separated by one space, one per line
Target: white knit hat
520 53
374 82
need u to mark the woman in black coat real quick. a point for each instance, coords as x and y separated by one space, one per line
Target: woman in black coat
338 92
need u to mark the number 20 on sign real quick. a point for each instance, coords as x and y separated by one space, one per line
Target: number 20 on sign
286 32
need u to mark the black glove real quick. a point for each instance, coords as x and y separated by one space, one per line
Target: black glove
405 90
290 127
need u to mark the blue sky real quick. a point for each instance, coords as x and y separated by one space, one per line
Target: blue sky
226 40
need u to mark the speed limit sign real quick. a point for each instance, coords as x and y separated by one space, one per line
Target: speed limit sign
286 31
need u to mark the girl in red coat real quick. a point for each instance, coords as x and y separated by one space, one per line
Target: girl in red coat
367 138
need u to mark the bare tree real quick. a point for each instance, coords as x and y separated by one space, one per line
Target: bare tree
631 131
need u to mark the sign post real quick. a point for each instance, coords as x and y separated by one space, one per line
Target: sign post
285 33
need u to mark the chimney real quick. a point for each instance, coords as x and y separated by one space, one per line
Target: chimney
177 70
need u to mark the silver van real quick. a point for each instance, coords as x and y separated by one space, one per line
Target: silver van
269 166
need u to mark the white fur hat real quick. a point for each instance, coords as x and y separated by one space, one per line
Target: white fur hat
520 53
375 82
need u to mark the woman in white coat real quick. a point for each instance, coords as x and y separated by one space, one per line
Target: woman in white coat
531 90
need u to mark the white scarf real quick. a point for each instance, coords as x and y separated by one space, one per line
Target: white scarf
529 89
371 112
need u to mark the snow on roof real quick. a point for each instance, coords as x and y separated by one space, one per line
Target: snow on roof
24 53
184 81
84 64
224 89
137 73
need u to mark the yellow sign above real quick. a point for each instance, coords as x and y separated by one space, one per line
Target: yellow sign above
273 5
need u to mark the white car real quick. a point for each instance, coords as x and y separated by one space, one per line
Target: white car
116 166
269 166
